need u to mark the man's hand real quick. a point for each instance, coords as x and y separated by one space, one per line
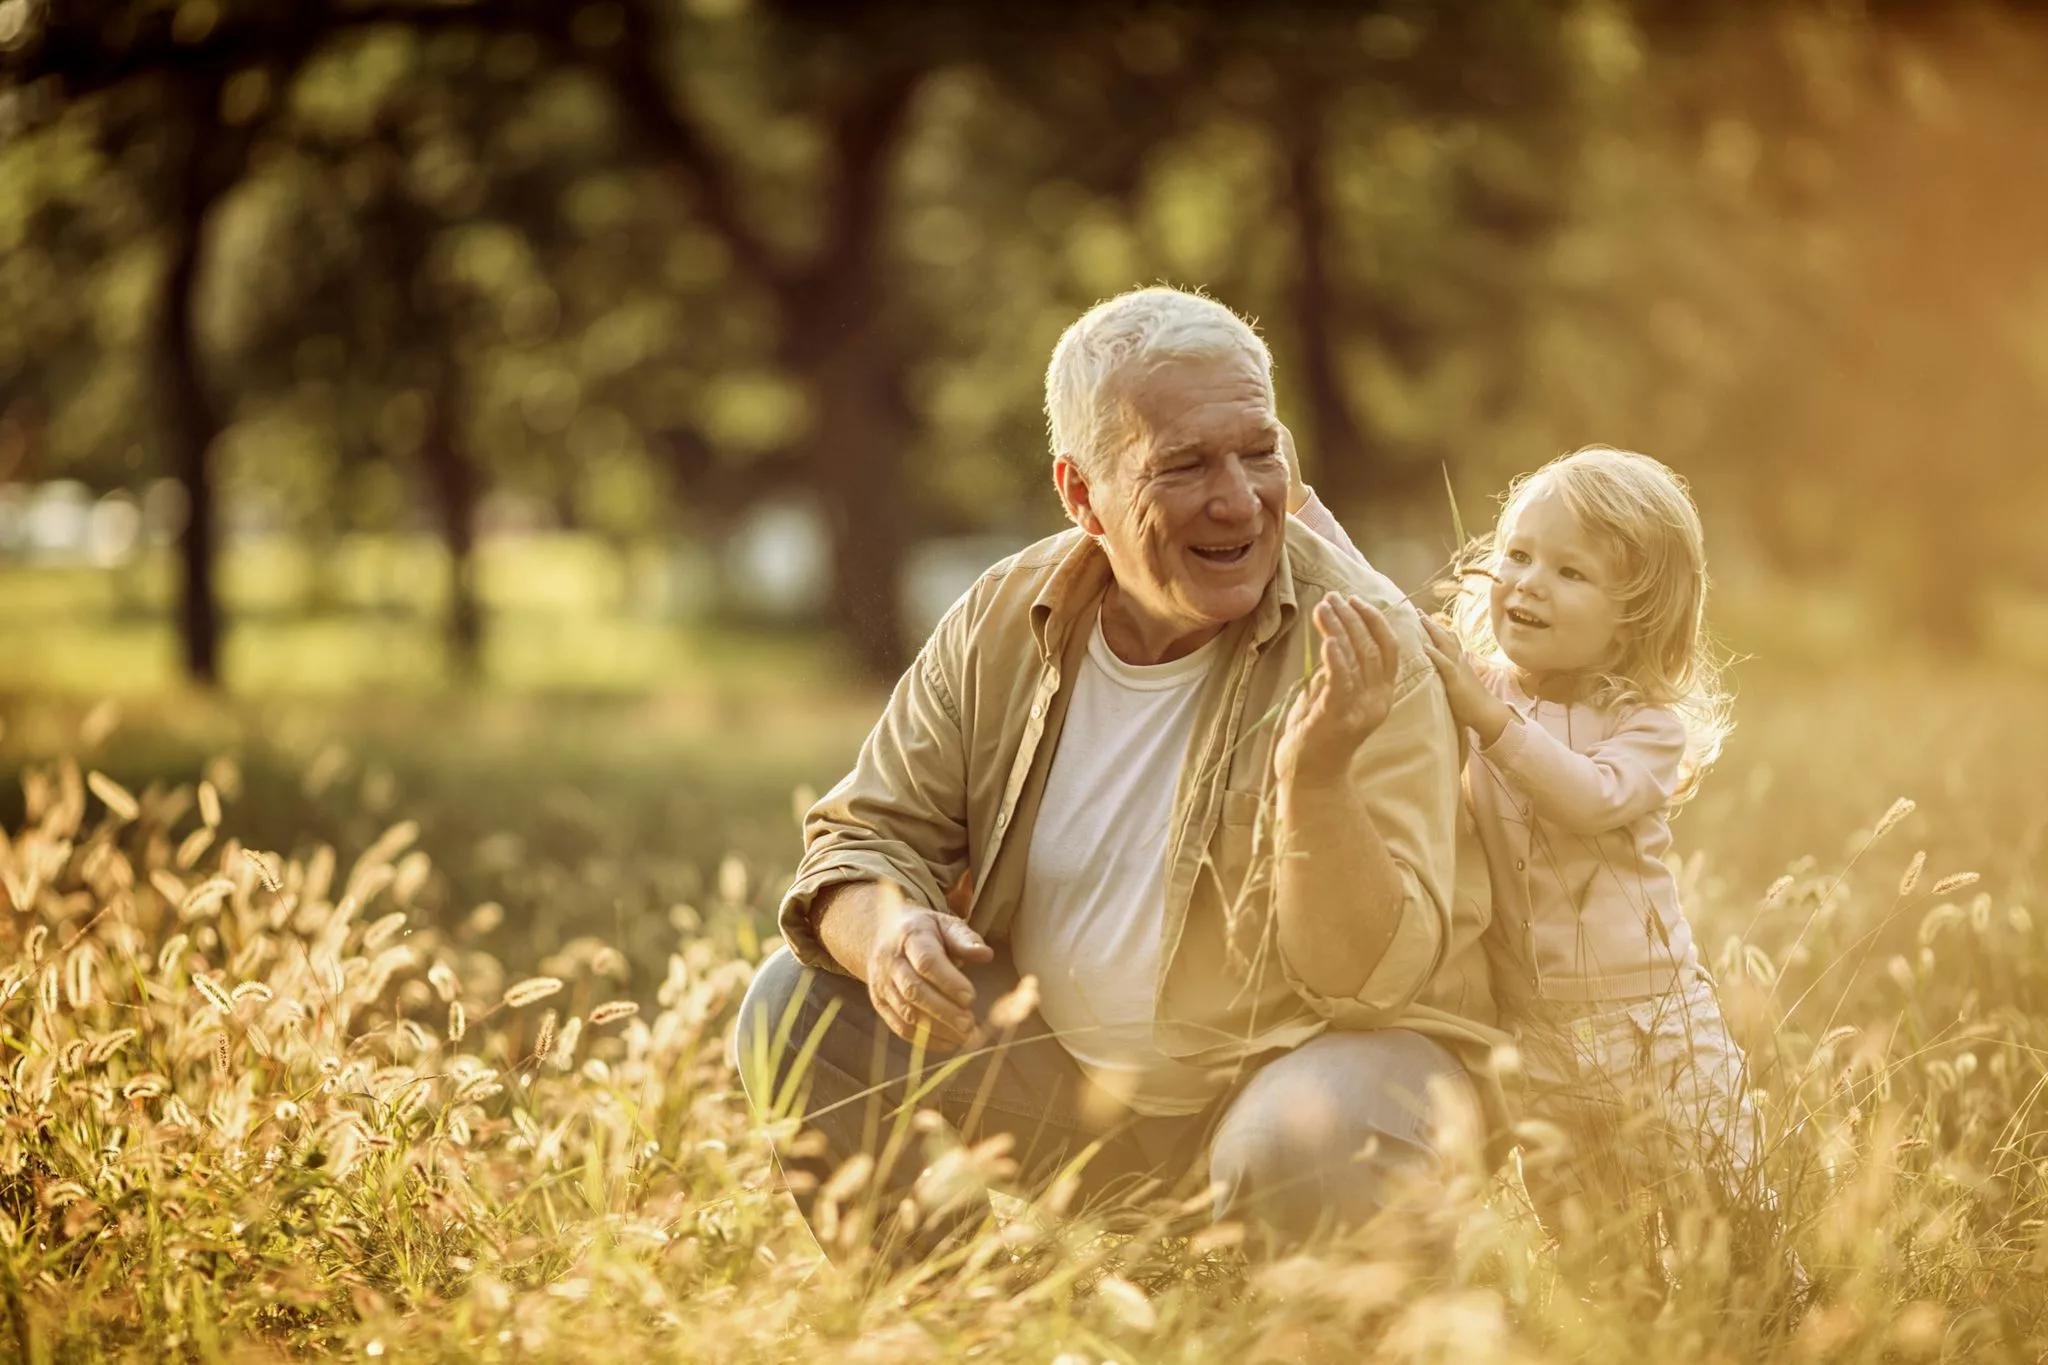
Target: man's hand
1347 699
908 956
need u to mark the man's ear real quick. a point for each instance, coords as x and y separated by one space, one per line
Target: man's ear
1075 495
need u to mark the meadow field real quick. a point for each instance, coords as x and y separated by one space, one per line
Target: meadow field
397 1025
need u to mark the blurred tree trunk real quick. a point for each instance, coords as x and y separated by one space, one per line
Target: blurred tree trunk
457 487
1336 445
834 335
837 337
210 160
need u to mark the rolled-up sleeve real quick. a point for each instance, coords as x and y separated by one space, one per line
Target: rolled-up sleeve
1407 780
900 815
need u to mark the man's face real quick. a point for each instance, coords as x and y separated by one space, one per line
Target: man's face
1192 510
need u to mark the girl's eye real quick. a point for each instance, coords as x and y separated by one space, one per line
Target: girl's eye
1518 556
1572 573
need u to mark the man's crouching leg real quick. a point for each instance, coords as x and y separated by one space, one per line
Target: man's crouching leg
1336 1132
814 1056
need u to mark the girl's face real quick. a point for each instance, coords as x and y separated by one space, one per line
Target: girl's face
1551 603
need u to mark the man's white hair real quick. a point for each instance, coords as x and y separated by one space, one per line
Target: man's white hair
1084 419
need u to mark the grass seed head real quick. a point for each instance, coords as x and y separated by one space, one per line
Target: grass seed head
1954 881
612 1010
533 988
1899 810
214 995
117 797
544 1041
1911 878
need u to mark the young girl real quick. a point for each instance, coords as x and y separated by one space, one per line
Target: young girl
1583 673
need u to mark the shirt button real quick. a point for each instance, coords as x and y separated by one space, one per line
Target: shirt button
1037 709
1521 865
1002 819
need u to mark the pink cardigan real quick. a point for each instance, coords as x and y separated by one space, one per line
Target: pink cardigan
1571 802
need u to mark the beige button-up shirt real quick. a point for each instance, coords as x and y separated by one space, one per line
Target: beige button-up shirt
949 780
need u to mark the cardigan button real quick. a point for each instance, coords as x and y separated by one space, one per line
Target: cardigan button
1521 865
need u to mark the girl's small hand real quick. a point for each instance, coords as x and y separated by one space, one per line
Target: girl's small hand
1471 704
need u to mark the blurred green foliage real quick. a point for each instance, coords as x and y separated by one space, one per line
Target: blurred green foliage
641 264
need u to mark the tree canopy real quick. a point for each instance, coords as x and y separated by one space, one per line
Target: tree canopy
647 262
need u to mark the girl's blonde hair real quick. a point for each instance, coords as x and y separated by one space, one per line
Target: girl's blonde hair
1645 515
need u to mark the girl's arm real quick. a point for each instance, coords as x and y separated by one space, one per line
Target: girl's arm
1611 783
1317 518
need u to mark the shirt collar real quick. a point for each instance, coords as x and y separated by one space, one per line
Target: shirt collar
1083 573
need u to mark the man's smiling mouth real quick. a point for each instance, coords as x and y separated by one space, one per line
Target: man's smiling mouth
1223 554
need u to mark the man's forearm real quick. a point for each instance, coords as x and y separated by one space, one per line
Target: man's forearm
847 916
1338 893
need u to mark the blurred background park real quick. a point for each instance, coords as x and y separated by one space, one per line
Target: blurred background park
557 420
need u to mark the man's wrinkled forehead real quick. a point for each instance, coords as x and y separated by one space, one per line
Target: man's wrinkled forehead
1181 403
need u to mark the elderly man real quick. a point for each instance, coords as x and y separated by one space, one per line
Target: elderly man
1235 892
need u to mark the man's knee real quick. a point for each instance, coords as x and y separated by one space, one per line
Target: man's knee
1332 1136
784 1007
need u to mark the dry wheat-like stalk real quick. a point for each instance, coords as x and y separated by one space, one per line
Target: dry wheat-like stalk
107 1045
78 979
533 988
193 847
220 1054
1955 881
1911 878
215 996
611 1010
458 1021
118 799
383 931
1016 1005
261 862
1900 809
209 804
1777 890
544 1041
167 956
442 978
205 898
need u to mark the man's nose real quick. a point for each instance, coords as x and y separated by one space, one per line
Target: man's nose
1232 496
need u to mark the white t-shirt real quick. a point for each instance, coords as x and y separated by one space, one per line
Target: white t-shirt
1094 906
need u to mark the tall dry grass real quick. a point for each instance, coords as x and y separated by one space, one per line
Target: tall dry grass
250 1108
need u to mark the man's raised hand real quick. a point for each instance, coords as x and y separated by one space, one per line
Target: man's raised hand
1349 696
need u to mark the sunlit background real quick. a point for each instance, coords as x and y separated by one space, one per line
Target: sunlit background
522 439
